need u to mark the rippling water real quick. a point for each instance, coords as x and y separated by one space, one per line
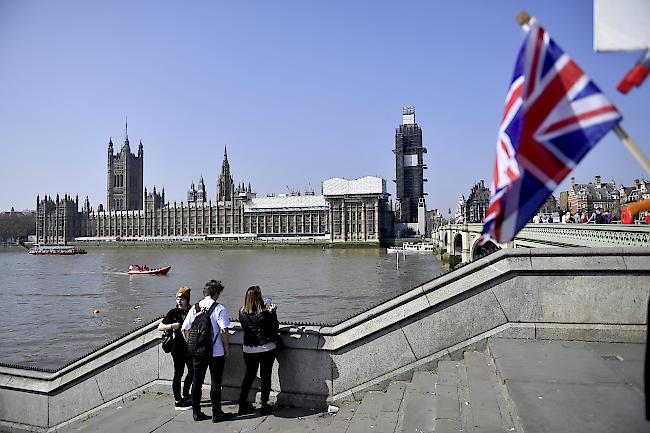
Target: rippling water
49 301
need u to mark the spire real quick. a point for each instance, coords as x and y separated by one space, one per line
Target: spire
225 153
140 149
126 133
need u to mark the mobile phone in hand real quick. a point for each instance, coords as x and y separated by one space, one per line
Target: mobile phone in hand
268 302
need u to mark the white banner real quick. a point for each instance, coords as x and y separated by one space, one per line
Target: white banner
621 25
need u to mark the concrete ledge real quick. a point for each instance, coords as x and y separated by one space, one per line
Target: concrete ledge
596 295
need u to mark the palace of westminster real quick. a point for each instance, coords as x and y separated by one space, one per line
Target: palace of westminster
347 210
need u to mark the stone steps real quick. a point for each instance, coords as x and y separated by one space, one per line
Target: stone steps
460 396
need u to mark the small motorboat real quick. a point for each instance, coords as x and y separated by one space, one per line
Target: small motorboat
144 270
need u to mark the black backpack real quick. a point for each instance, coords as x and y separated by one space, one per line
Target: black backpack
200 341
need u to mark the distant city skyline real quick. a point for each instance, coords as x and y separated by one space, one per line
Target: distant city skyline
298 92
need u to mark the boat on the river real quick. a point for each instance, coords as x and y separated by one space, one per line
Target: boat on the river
55 250
412 248
145 270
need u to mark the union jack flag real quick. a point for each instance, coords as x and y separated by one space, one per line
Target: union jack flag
554 115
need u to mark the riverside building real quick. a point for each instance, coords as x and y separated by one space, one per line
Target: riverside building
347 211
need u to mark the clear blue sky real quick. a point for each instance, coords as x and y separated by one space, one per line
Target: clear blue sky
299 91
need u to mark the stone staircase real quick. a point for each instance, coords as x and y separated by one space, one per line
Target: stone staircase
459 396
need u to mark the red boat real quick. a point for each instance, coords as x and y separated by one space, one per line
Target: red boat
144 270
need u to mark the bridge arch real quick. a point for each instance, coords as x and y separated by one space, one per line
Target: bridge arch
479 250
458 244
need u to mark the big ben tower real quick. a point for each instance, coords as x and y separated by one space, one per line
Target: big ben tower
409 167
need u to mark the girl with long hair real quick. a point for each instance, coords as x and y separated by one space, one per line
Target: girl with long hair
260 325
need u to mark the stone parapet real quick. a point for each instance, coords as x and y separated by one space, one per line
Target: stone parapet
574 293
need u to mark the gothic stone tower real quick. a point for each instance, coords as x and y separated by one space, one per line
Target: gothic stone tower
124 178
225 184
409 167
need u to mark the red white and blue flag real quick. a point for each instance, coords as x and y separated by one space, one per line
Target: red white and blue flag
554 115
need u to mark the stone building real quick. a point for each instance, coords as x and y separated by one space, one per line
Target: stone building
477 203
59 220
586 197
358 209
348 211
286 216
124 178
639 190
409 167
199 195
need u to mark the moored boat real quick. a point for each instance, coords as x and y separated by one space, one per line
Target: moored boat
412 248
144 270
55 250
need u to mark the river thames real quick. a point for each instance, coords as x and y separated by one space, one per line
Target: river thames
57 309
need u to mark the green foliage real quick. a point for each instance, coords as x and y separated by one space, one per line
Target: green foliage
16 225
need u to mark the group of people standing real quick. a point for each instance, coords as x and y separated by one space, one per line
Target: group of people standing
598 216
260 325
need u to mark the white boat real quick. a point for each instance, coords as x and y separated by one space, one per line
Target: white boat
55 250
412 248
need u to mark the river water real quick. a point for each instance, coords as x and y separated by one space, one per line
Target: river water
57 309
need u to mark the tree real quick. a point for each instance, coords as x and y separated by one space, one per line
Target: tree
17 225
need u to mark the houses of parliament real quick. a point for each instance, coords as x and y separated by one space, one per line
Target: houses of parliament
346 211
356 211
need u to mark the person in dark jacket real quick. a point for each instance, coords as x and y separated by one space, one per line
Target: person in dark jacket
260 325
172 323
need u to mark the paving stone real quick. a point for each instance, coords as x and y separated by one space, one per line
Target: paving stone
550 361
389 413
466 415
579 408
143 414
418 413
448 373
364 419
482 394
339 422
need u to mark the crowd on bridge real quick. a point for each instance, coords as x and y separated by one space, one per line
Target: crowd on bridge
598 216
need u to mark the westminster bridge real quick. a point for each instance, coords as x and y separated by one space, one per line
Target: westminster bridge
462 240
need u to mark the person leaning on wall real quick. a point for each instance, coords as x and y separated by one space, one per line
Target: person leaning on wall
260 325
172 323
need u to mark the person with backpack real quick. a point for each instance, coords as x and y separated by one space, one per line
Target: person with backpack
172 323
206 331
259 321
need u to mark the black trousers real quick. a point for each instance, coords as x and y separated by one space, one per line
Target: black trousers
264 361
215 363
181 360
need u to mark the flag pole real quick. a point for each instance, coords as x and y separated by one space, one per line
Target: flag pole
523 19
632 148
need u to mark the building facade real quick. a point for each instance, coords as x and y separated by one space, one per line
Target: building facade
409 167
477 203
586 197
197 195
59 220
358 209
125 177
348 211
